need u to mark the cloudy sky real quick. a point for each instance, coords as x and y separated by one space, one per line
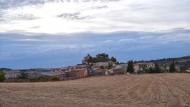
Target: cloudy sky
54 33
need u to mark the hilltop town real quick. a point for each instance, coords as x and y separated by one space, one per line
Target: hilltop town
100 65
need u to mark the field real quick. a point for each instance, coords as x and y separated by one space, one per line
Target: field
149 90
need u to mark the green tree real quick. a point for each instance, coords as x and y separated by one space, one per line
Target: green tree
149 70
172 67
2 76
130 67
157 68
55 79
88 59
102 57
113 59
23 75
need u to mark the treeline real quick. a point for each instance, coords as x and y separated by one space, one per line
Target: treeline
25 78
156 69
166 59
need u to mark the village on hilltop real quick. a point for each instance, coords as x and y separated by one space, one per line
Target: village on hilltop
100 65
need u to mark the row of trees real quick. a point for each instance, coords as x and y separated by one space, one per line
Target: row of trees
156 69
22 76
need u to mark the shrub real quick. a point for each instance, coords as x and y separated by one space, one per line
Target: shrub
157 68
2 76
130 67
55 79
172 67
23 75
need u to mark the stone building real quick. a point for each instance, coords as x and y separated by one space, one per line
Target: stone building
143 65
12 74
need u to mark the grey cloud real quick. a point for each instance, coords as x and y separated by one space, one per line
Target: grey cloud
4 4
156 12
123 15
24 17
35 27
4 18
139 7
121 44
1 16
99 7
72 16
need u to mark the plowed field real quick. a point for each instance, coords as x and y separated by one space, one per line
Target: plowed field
149 90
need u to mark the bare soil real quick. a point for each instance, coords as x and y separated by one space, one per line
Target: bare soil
149 90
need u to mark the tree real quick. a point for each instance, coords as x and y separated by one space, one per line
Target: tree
2 76
23 75
88 59
55 79
157 68
130 67
149 70
113 59
172 67
102 57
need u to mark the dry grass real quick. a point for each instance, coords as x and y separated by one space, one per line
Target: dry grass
157 90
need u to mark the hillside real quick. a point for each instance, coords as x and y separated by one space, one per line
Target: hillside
158 90
182 62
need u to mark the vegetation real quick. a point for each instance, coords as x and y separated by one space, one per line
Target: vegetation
102 57
172 67
113 59
88 59
2 76
157 68
154 66
23 75
55 79
149 70
130 67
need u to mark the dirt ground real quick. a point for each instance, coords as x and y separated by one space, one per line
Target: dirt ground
149 90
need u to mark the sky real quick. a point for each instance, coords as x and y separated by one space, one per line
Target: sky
57 33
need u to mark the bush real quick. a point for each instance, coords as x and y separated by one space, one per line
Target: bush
149 70
172 67
130 67
141 71
23 75
55 79
2 76
157 68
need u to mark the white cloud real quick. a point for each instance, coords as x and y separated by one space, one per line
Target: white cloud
127 40
96 16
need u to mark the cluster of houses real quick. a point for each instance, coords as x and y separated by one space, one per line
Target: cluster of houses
142 65
67 73
78 71
74 72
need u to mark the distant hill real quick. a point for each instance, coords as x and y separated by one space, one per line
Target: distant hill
5 69
182 62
